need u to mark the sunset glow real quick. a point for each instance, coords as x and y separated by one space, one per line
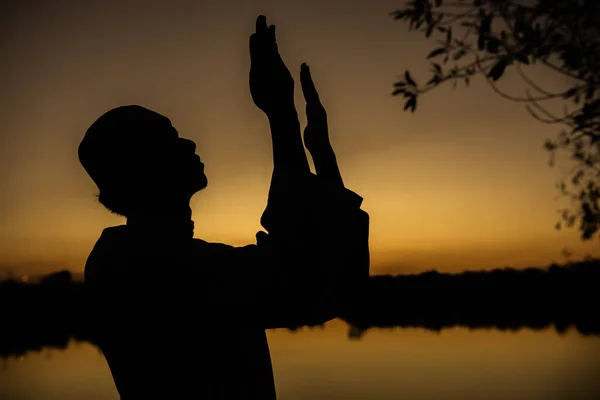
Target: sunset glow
463 183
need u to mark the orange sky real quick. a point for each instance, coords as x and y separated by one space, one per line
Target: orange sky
461 184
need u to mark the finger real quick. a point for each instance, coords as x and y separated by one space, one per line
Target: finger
271 48
262 41
257 50
308 87
254 48
261 24
271 42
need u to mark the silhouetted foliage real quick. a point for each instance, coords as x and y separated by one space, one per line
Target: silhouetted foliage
486 37
47 314
58 278
502 299
50 314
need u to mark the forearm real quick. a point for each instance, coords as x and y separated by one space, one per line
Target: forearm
326 165
309 269
288 149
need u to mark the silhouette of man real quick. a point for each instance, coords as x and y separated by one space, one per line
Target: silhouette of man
178 317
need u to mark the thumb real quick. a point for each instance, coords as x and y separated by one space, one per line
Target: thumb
308 87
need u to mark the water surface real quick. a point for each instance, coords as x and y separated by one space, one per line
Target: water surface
323 363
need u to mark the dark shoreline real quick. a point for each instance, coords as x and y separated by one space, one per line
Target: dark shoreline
55 311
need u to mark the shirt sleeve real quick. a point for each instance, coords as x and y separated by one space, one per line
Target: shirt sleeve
313 257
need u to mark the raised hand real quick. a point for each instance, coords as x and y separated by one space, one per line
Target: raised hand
316 133
271 84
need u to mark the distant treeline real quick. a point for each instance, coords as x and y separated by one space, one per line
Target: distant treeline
506 299
55 311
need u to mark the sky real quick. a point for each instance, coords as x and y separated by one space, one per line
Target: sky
463 183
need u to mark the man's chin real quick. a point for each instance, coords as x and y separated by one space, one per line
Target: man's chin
200 184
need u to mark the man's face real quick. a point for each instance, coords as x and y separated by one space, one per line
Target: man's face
172 161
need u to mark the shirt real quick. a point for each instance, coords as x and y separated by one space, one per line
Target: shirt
184 318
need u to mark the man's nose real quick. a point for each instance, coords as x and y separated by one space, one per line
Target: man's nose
188 145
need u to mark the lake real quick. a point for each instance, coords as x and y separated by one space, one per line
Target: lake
399 363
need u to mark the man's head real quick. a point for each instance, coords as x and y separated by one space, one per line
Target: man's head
137 160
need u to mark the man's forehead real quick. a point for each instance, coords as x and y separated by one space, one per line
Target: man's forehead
161 123
140 117
142 113
139 112
134 125
159 117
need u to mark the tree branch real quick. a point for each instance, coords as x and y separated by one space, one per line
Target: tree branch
564 72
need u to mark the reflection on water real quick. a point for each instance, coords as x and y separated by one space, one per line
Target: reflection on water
322 363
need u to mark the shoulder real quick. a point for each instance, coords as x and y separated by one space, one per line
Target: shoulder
212 247
108 251
219 255
223 250
217 249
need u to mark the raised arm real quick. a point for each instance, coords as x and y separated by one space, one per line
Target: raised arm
316 133
317 245
272 89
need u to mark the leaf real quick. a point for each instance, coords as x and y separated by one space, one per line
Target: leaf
409 79
429 18
397 92
522 58
576 179
437 68
438 3
412 104
549 145
434 80
403 14
481 42
498 69
484 29
493 44
458 55
590 92
437 52
449 36
429 30
570 93
486 24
